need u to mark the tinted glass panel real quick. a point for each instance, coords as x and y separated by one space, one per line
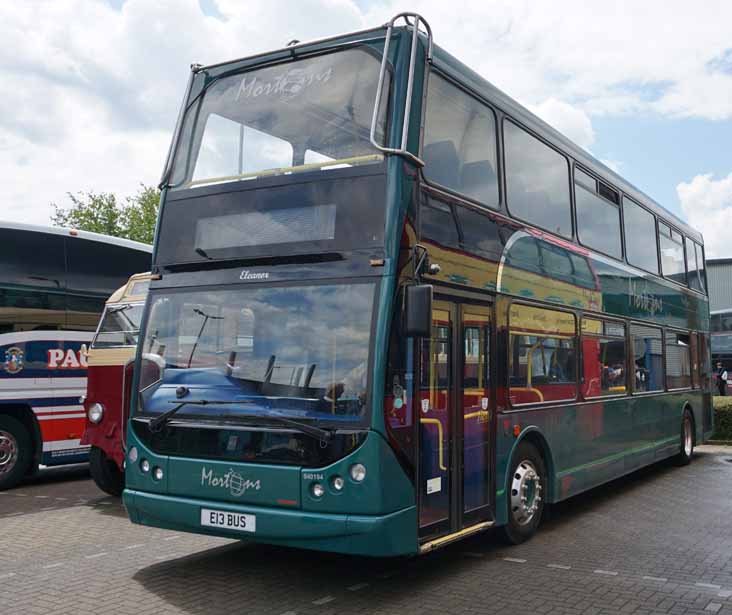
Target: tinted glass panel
481 234
460 142
32 281
672 254
438 224
648 357
542 356
537 179
640 231
95 271
678 360
598 222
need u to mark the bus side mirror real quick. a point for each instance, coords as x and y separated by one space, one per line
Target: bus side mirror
418 311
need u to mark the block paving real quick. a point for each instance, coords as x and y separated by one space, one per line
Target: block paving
656 542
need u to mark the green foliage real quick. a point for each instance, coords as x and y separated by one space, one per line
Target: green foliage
104 213
722 418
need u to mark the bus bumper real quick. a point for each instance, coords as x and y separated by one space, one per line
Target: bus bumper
374 535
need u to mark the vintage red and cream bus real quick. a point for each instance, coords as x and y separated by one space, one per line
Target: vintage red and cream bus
109 377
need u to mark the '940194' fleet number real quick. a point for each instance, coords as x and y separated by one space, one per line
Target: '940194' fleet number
228 520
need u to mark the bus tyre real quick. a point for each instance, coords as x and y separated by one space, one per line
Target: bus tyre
525 493
105 472
16 451
687 439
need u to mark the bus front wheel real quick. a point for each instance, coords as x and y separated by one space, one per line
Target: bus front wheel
15 451
687 439
105 472
526 491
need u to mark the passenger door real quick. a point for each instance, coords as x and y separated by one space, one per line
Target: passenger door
455 459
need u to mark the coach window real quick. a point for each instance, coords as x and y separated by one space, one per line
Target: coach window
33 282
696 265
672 253
604 358
598 215
641 248
537 181
647 347
542 355
460 142
678 360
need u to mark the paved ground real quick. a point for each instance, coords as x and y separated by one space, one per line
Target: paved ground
659 541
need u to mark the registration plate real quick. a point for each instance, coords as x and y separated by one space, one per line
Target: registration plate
228 520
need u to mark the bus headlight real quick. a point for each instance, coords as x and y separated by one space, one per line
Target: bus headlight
317 490
158 473
145 466
337 483
132 455
95 412
358 472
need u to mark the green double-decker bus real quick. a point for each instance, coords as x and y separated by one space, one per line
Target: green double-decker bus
392 308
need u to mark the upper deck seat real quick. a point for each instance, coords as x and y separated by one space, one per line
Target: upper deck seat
442 163
479 181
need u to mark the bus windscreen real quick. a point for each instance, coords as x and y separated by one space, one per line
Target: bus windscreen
309 114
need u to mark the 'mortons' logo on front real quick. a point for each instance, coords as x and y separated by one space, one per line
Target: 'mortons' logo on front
66 359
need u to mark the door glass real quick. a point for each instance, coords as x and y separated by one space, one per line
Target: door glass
435 393
476 413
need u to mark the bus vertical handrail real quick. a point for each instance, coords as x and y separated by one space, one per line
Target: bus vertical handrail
415 25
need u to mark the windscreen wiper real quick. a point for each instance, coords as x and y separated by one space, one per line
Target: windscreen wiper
325 435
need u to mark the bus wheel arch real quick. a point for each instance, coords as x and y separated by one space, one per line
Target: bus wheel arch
535 437
18 446
24 414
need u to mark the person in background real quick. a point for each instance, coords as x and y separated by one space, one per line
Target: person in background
721 379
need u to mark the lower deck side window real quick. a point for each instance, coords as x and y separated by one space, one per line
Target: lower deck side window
542 355
647 346
678 360
604 361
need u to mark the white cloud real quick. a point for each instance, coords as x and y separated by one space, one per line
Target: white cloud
707 204
91 92
571 121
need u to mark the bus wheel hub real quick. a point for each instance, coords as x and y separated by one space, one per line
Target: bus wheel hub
525 492
8 452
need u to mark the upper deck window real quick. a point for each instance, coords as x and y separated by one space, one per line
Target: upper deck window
305 115
537 181
696 266
460 143
672 253
598 215
640 233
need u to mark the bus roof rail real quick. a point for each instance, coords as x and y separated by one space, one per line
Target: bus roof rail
415 26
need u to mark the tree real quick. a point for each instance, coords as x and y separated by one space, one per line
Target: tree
104 213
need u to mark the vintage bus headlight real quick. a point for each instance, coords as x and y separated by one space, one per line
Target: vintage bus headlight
145 466
95 412
132 455
317 490
158 473
358 472
337 483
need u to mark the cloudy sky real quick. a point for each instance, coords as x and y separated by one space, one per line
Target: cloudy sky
91 88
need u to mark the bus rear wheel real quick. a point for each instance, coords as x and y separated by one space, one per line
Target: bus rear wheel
687 439
525 497
105 472
15 452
